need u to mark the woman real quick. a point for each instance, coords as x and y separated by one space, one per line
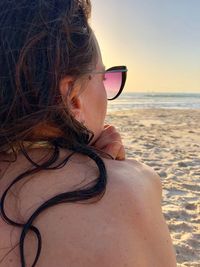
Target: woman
68 195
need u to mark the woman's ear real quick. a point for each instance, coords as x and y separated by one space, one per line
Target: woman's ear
71 96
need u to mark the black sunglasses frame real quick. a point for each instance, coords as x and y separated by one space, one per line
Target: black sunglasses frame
123 70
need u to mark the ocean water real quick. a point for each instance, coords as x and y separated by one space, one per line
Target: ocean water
127 101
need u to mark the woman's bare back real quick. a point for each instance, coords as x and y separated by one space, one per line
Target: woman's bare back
115 231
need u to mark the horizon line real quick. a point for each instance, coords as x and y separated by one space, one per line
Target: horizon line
157 92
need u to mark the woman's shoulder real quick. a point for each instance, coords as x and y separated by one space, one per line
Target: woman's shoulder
133 175
104 228
132 167
90 234
113 231
125 226
130 184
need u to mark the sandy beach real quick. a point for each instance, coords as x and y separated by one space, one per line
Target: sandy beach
169 141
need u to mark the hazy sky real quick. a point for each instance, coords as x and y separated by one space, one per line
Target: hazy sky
158 40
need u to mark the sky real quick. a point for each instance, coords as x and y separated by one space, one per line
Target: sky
158 40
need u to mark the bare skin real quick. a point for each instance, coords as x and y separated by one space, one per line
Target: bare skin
125 228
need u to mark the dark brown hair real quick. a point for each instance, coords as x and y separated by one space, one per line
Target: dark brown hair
41 42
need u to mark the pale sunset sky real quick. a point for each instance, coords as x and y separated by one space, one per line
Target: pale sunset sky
158 40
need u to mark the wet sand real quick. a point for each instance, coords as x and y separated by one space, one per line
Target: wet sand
169 141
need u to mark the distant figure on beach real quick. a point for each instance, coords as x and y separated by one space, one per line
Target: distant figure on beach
68 195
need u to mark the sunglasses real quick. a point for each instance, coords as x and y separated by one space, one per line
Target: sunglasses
114 80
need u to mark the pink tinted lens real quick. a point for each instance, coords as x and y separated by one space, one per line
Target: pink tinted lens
112 83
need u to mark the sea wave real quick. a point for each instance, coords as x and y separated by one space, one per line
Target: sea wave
155 100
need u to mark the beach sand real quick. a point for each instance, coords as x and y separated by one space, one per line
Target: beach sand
169 142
